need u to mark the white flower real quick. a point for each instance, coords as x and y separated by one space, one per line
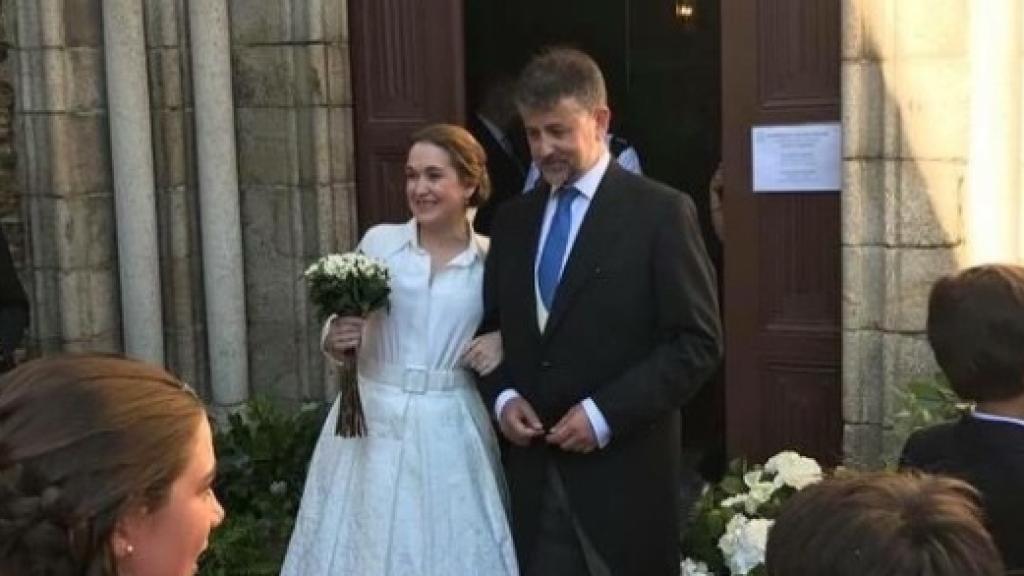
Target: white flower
693 567
793 470
744 543
347 265
759 492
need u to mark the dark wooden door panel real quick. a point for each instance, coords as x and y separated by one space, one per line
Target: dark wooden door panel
782 277
407 71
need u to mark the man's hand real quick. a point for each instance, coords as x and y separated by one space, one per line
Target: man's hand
573 433
519 423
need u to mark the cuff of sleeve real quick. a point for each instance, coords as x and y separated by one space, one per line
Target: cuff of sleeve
597 422
503 398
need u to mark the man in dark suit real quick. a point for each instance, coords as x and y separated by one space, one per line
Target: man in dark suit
976 329
606 302
13 307
493 125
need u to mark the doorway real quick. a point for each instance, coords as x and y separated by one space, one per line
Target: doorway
681 91
663 72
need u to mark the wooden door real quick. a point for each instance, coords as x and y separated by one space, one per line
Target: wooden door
407 71
780 65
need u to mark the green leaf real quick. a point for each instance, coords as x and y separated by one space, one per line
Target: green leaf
262 445
732 485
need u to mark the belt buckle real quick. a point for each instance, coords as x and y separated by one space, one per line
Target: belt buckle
415 381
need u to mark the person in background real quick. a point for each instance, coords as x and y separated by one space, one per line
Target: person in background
976 329
14 308
106 469
716 191
882 524
493 126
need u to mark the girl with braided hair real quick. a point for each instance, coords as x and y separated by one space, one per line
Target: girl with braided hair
106 467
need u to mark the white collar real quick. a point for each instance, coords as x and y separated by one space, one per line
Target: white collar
996 418
475 249
587 183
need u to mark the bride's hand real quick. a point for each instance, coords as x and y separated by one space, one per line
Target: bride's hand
484 353
344 334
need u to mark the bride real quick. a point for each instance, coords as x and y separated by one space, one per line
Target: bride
422 493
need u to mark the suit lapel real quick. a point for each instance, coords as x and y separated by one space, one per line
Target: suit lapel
598 231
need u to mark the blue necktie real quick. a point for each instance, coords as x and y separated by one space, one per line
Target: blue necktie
550 268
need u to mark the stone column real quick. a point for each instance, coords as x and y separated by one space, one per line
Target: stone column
991 210
131 144
218 201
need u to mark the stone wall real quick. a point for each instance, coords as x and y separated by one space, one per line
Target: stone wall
905 115
10 199
293 119
294 124
64 174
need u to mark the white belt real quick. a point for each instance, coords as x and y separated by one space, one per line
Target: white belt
413 379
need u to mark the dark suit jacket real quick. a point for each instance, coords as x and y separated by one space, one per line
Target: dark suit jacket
634 325
505 170
989 456
13 303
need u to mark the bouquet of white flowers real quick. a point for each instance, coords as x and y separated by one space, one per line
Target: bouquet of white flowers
350 284
730 526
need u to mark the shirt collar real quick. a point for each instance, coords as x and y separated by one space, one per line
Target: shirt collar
587 183
475 250
996 418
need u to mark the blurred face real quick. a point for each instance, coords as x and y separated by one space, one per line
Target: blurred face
169 540
436 195
565 140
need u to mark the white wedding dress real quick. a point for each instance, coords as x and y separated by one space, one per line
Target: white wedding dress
423 493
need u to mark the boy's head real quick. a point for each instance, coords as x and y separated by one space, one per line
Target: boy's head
976 329
883 524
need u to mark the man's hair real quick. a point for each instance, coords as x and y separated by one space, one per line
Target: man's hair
85 440
560 73
883 524
976 329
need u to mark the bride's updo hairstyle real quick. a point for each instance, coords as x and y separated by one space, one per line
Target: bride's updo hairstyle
84 440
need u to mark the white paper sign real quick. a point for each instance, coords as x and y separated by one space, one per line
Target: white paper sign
797 158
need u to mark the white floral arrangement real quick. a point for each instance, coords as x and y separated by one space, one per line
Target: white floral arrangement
349 284
729 531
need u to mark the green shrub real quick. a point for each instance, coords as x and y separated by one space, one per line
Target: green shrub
928 401
924 402
262 457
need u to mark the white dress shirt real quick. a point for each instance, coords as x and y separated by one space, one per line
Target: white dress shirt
431 315
586 185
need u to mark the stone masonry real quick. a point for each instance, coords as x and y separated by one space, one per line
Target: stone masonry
10 200
905 115
293 128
